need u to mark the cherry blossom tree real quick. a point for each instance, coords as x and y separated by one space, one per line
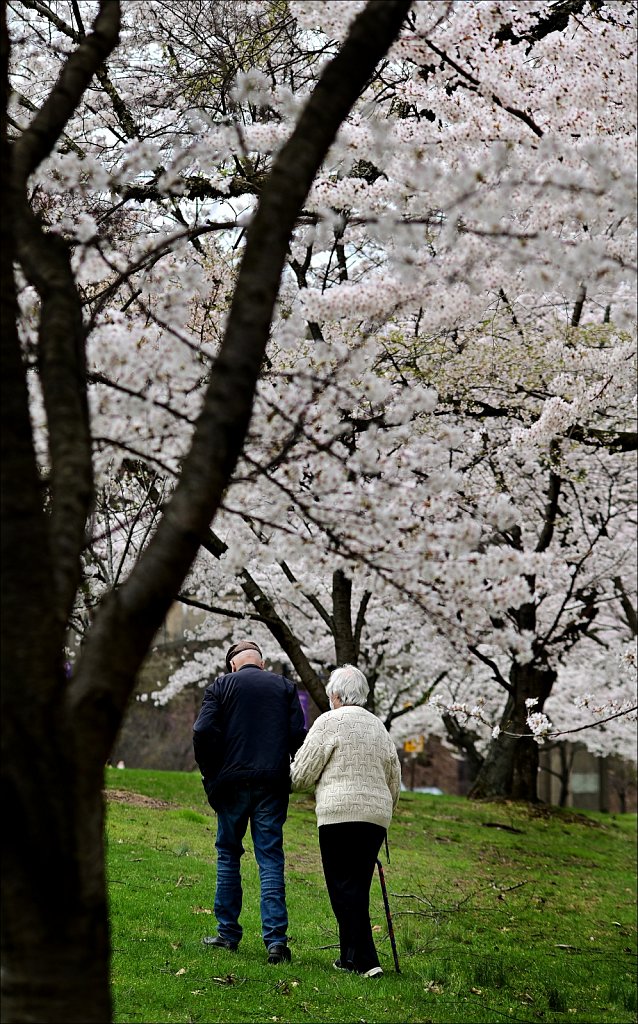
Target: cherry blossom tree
57 732
492 541
444 413
497 230
437 481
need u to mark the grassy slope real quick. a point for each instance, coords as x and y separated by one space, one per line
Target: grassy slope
501 912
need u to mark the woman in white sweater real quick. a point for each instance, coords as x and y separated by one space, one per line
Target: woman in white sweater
353 765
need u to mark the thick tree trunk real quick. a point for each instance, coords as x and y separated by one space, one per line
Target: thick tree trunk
510 768
55 946
57 734
55 917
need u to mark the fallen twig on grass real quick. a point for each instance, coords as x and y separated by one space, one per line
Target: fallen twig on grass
455 907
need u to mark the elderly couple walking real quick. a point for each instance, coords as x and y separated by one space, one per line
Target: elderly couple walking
249 728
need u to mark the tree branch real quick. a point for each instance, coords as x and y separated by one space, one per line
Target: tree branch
122 112
423 699
594 725
359 624
551 508
228 613
556 20
614 440
45 260
520 114
314 601
494 667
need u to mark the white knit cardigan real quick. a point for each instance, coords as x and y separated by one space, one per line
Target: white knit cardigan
353 764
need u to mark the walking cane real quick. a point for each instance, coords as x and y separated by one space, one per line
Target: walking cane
388 917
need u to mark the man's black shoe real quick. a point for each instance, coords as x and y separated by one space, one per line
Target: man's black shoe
279 954
219 943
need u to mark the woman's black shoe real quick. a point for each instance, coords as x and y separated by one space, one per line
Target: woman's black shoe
347 966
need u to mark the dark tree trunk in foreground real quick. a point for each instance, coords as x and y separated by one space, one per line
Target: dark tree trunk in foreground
510 768
57 734
55 942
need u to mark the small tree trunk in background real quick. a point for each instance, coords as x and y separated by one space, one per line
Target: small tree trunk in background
510 769
345 650
603 785
566 761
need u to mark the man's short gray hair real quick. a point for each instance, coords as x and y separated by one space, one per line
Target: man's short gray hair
350 684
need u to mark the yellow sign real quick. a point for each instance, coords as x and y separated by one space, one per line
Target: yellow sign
416 746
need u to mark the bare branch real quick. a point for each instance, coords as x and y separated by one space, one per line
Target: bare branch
556 20
412 705
594 725
551 508
614 440
46 263
229 613
520 114
314 601
491 664
360 621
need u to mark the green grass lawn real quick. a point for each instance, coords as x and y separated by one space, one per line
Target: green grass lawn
501 912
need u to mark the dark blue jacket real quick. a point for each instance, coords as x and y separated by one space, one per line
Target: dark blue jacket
249 727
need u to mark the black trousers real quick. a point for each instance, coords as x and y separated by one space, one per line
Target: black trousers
349 853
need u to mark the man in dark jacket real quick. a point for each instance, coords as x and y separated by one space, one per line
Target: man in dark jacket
249 727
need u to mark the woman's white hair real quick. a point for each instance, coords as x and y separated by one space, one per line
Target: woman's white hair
350 684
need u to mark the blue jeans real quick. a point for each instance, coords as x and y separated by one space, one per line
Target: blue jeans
266 811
